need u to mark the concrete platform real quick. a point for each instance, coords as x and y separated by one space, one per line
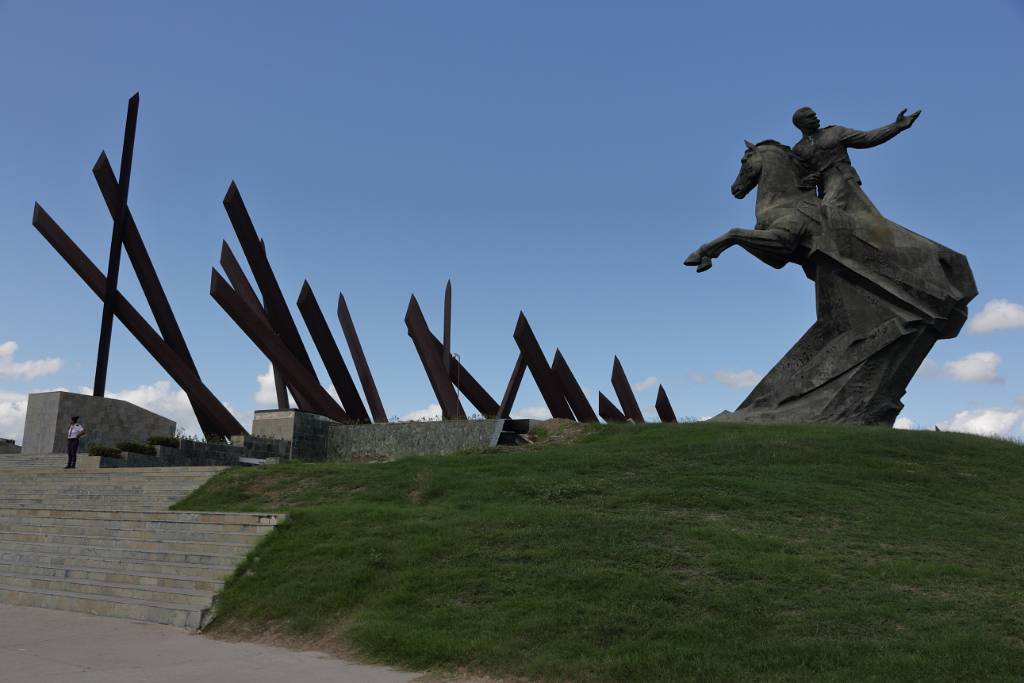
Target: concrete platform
48 646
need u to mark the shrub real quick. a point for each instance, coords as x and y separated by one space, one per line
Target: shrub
169 441
135 447
105 451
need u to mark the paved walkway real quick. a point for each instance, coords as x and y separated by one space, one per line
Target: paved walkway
50 646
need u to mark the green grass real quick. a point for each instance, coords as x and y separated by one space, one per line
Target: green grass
665 552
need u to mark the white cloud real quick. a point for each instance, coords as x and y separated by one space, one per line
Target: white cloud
697 378
984 421
12 415
266 394
975 367
532 413
431 413
646 384
998 314
740 380
904 423
28 369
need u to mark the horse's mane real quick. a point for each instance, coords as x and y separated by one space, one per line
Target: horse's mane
774 143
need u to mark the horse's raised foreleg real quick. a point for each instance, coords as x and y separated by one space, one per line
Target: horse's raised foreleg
713 249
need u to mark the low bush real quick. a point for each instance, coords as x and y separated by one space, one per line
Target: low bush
135 447
105 451
169 441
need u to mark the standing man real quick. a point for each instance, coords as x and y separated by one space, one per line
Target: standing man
74 432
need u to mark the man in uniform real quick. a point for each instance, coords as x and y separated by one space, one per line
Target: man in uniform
75 431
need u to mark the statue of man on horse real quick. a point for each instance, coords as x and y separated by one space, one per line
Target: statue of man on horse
885 294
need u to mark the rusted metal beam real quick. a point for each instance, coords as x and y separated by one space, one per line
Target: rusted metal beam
240 283
627 400
162 353
571 389
467 384
331 356
359 360
447 350
550 387
609 413
512 389
99 385
135 247
304 383
273 300
426 347
663 406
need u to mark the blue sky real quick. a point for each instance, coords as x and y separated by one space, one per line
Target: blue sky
556 157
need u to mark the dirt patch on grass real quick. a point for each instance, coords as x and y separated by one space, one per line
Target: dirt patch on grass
558 430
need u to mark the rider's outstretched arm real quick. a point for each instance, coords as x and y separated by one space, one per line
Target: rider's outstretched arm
862 139
859 139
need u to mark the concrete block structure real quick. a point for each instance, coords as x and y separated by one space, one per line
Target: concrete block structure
107 422
7 446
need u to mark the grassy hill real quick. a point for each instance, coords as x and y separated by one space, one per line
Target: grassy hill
663 552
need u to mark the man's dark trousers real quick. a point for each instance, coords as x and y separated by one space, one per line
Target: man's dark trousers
72 452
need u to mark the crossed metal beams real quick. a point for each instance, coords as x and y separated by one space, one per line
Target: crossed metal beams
168 347
272 329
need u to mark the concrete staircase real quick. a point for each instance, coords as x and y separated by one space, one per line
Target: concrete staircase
102 541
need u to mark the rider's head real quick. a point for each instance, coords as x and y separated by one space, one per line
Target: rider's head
806 120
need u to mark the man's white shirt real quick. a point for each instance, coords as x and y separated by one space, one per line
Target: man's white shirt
75 431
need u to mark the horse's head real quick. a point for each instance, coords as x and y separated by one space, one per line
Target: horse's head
750 172
767 164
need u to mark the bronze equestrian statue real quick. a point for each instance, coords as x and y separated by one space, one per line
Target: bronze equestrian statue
884 294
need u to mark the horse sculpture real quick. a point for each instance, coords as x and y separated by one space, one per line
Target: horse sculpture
884 295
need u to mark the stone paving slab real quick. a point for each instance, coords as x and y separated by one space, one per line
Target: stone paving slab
49 646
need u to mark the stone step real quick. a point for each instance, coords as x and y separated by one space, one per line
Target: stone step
245 533
103 589
54 559
153 544
208 533
242 518
207 559
125 608
122 576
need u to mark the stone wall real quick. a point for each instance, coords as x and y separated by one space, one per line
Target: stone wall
107 422
315 438
404 439
201 454
8 447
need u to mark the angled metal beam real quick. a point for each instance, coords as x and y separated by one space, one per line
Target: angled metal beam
359 360
625 393
273 300
303 382
148 279
99 385
427 349
331 356
447 350
512 389
607 409
663 406
467 384
571 389
550 387
162 353
240 283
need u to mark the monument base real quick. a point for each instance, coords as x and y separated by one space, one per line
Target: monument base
315 437
107 422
